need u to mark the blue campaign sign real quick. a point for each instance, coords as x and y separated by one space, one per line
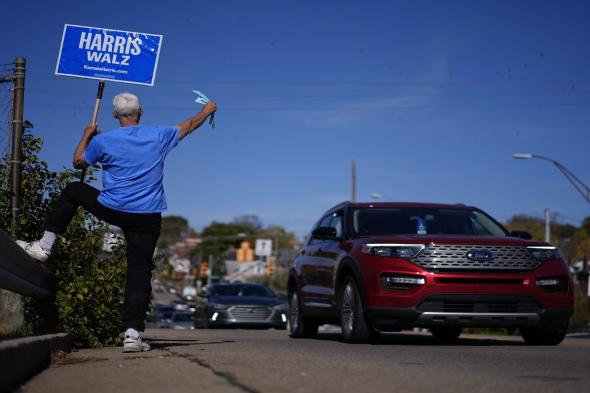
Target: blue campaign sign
120 56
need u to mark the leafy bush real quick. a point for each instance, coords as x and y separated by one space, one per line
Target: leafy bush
581 318
89 280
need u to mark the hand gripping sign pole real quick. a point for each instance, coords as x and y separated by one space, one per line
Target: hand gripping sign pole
202 99
94 119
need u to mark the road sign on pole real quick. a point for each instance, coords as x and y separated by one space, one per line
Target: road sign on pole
106 54
263 247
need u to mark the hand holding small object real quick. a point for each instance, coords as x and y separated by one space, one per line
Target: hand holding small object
203 99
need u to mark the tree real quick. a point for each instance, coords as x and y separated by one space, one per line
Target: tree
218 237
535 226
89 281
174 228
249 220
284 238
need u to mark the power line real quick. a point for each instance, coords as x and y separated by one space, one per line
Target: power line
341 95
415 82
341 108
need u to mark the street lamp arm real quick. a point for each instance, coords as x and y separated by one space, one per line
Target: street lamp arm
583 189
578 184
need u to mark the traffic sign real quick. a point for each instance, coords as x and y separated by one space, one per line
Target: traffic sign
106 54
263 247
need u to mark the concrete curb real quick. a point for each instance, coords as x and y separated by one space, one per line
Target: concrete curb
22 358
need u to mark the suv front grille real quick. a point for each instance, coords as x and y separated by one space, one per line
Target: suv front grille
453 257
250 313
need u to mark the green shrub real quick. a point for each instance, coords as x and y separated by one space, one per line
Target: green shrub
89 280
581 317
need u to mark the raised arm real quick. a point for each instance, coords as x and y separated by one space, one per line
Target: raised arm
78 160
192 123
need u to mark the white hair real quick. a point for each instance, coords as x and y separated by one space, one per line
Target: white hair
126 105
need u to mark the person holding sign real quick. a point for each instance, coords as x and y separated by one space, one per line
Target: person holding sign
132 158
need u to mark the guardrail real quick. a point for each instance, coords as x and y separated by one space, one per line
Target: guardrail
22 274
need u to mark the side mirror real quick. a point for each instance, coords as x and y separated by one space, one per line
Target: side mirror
325 233
522 235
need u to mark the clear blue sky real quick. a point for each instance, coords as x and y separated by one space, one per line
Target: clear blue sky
431 98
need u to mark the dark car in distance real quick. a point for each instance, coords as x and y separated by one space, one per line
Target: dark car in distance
240 305
379 267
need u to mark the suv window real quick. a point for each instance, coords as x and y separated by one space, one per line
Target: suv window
422 221
324 222
332 220
337 223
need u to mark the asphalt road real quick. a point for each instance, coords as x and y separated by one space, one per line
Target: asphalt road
269 361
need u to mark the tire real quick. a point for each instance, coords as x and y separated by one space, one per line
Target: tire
352 317
446 334
544 335
201 323
299 325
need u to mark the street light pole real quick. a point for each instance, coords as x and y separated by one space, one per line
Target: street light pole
353 181
582 188
547 226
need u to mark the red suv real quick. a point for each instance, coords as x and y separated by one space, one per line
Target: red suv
374 267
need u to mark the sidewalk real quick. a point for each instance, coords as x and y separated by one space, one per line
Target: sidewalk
21 358
268 361
110 370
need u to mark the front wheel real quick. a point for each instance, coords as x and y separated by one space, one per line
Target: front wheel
544 335
299 325
352 317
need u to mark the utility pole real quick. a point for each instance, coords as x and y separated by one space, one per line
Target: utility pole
210 269
353 181
18 79
11 304
547 226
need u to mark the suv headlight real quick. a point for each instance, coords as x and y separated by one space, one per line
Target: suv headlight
544 253
220 306
393 250
280 307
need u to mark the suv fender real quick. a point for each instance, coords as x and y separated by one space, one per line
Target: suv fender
349 267
292 284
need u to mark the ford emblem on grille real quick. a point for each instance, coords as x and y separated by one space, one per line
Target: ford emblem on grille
480 255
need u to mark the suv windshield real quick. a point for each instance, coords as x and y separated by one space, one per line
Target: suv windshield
241 290
423 221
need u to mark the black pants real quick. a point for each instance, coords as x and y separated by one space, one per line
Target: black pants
141 234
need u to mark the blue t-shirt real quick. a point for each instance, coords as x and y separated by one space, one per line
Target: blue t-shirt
132 161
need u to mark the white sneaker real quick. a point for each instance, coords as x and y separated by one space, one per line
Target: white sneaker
134 345
34 249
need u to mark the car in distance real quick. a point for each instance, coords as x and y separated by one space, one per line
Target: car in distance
159 316
181 320
378 267
240 305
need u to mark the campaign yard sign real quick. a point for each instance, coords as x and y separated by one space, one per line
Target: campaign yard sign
106 54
